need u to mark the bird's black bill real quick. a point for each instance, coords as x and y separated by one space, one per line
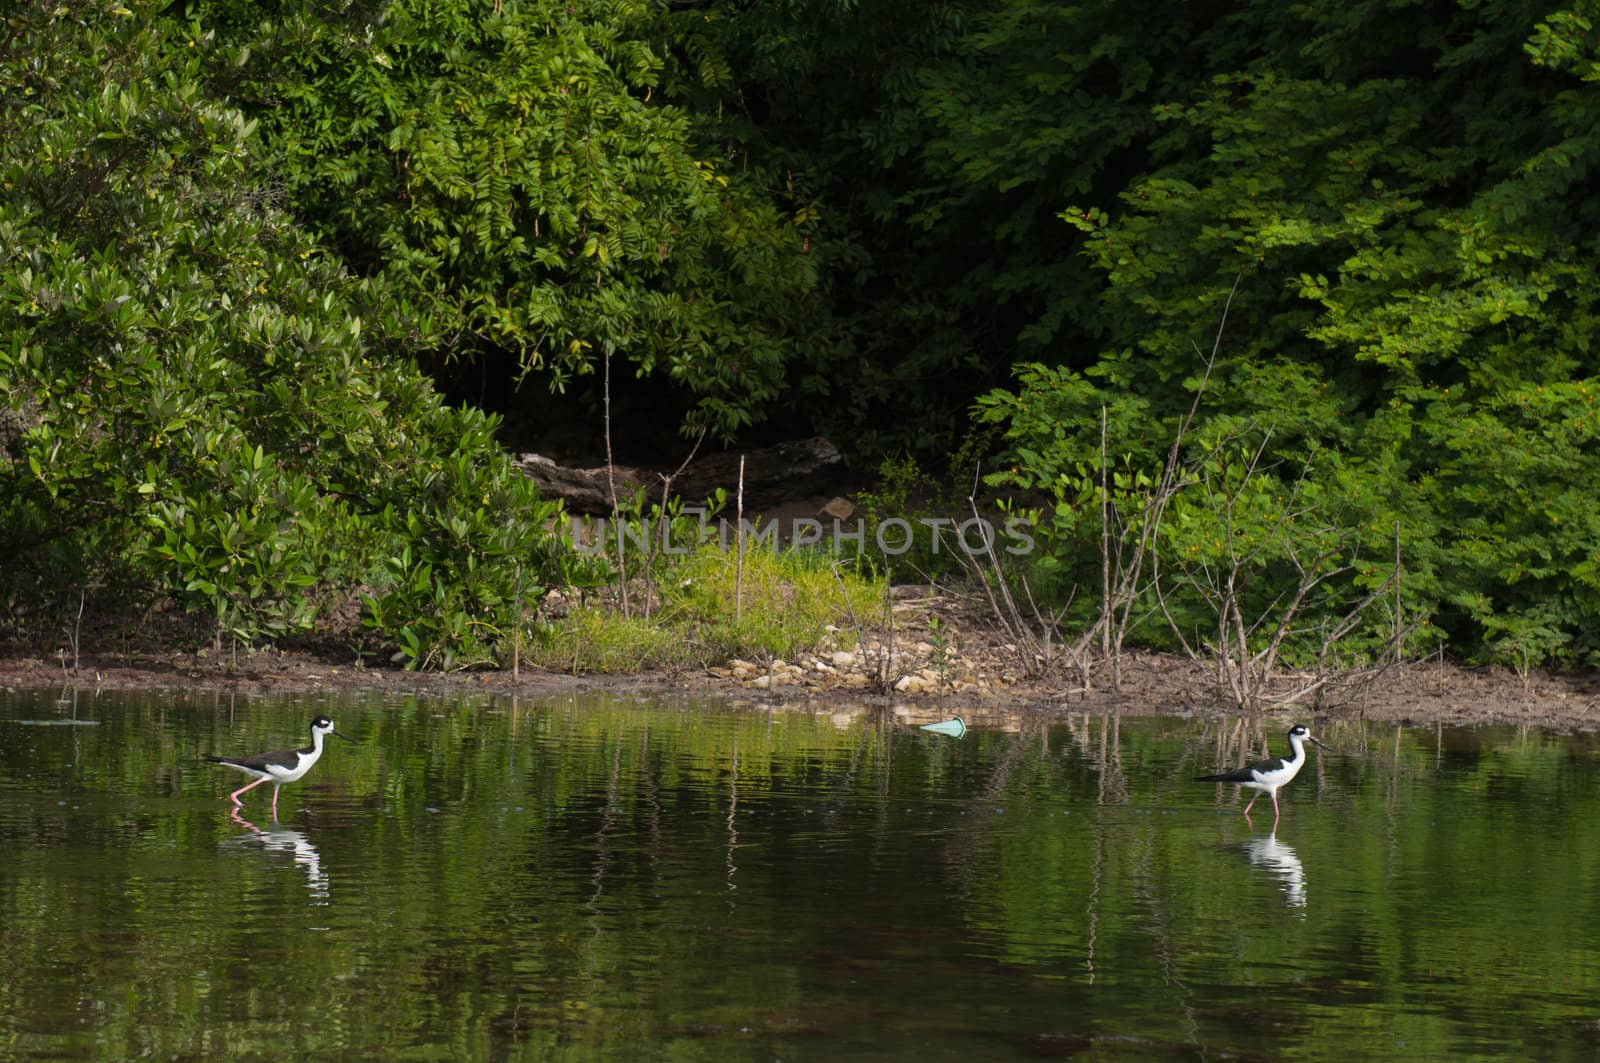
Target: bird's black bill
352 741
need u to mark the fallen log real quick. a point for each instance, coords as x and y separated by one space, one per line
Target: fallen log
772 475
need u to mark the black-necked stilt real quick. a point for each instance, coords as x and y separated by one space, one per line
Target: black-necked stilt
1267 776
280 766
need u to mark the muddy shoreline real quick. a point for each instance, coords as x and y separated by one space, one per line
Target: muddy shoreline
1421 693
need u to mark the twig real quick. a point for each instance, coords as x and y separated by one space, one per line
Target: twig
611 481
1033 650
1105 544
878 667
663 529
77 627
738 562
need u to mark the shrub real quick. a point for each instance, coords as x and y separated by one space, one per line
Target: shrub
191 407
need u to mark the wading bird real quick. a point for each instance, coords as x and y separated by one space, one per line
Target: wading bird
283 765
1267 776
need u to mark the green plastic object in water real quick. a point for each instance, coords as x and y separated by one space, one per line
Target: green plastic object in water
955 727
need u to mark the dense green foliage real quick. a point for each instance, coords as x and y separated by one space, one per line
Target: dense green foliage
941 141
191 409
1407 219
853 218
1395 197
509 179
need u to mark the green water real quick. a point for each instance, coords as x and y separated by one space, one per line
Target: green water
620 879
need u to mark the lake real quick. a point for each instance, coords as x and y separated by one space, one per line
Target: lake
603 878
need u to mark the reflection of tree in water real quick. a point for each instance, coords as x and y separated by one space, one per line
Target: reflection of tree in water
602 842
732 820
1150 893
1113 788
1118 840
1104 752
882 733
1136 841
967 852
651 796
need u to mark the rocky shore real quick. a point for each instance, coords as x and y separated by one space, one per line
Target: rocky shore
925 680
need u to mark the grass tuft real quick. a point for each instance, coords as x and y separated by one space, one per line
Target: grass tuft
789 600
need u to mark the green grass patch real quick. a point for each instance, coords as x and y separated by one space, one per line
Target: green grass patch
594 639
786 602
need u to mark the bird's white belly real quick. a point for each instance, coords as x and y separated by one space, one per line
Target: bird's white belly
283 773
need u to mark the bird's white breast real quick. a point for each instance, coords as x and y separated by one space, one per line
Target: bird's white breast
287 773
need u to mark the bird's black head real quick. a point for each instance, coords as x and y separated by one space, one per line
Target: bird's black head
1301 731
323 725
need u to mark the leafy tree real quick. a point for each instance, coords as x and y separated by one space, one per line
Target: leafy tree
189 405
1405 219
935 145
514 177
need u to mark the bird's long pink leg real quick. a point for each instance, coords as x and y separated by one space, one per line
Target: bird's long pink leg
245 789
275 789
1274 806
1252 803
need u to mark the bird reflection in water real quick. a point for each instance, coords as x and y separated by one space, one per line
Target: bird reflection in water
281 840
1266 851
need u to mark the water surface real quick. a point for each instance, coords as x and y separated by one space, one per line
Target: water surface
602 878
